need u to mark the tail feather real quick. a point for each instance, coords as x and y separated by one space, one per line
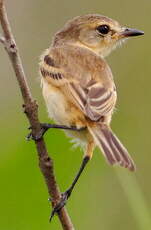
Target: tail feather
112 148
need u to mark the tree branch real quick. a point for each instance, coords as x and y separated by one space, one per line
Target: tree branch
31 110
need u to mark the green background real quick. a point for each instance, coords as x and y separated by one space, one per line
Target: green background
105 198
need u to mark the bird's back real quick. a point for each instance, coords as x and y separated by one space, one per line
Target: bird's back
82 64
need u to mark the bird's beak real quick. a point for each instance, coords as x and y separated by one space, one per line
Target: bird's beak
128 32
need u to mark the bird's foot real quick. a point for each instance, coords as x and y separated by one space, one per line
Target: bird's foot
44 128
64 197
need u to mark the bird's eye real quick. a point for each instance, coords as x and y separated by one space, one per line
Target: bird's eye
103 29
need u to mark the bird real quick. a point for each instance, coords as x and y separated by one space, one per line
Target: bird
79 89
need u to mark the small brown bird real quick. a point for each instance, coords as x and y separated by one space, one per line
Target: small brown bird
79 90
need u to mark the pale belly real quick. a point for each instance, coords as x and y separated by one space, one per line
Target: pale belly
56 104
64 114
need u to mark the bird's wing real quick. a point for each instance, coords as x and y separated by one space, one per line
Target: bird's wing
94 100
81 81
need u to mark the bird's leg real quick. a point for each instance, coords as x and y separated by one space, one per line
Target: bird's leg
46 126
67 193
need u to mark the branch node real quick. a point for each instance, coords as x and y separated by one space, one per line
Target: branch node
10 46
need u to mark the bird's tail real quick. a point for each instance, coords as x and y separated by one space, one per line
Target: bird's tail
112 148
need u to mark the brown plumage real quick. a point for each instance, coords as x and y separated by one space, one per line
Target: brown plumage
78 85
86 85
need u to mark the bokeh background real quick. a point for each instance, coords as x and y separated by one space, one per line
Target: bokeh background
105 198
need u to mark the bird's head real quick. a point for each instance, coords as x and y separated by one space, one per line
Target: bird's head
95 32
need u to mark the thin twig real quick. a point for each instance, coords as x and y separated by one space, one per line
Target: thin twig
31 110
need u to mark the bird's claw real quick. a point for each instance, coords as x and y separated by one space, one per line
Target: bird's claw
37 137
61 204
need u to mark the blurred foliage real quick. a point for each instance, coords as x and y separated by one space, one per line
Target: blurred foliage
104 198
